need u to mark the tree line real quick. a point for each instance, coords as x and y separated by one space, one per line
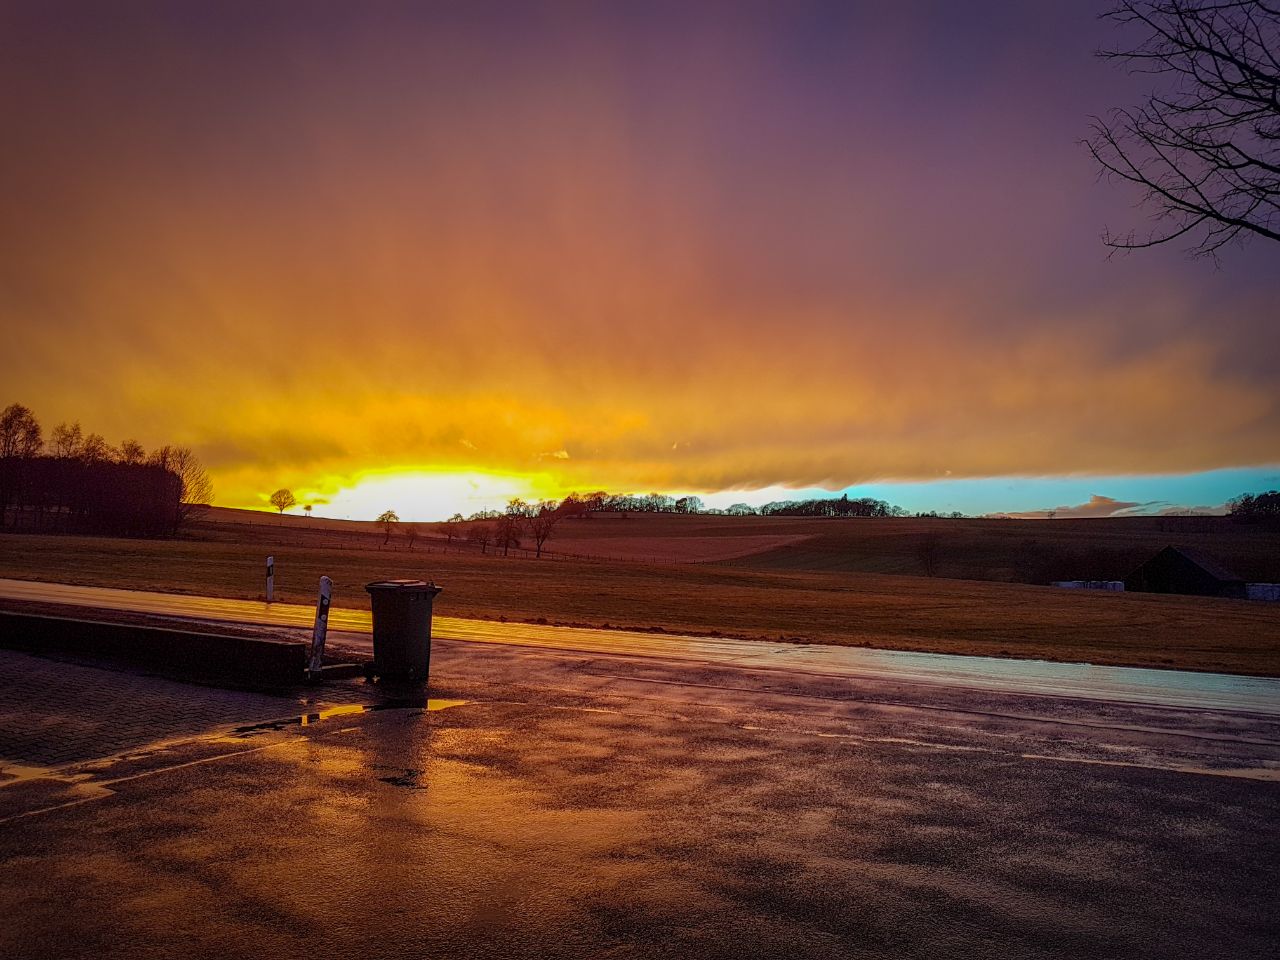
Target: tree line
1261 508
577 505
78 482
505 530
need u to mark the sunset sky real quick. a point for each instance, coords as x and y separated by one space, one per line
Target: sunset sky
431 255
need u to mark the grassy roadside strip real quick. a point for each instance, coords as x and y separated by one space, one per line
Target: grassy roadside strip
887 612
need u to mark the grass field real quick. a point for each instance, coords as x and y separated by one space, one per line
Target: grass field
1026 551
879 610
1018 551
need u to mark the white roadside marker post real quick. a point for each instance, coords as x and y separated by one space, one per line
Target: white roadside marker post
271 579
321 627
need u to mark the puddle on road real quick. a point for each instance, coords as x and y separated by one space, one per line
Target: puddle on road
346 710
12 774
309 718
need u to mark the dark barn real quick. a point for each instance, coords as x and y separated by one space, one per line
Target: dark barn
1185 570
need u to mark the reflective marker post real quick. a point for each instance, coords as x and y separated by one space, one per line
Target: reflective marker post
271 579
321 627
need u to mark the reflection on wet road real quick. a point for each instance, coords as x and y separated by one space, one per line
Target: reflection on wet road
537 807
1036 677
579 793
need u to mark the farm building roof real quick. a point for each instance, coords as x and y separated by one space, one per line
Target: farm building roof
1209 564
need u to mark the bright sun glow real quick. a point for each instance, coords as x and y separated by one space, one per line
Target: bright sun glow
421 495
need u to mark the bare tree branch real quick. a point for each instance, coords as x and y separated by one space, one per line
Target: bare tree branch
1204 150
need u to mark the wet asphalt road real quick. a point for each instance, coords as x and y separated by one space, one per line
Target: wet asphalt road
578 805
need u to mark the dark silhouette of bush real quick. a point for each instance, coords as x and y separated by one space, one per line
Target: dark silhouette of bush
84 485
113 499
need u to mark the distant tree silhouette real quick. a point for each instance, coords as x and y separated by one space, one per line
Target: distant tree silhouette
20 434
507 533
481 535
584 505
66 441
388 519
131 452
410 534
69 442
507 529
283 499
20 441
1256 508
95 449
595 502
519 508
510 522
842 506
307 509
451 528
1203 150
542 524
196 491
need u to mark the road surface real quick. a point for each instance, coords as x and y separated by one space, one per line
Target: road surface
574 794
1173 688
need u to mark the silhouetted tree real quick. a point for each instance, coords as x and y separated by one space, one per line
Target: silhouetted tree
65 441
1204 149
283 499
19 432
131 452
573 506
20 441
543 523
306 508
507 529
388 519
196 488
451 528
519 508
1255 508
410 534
842 506
481 535
95 449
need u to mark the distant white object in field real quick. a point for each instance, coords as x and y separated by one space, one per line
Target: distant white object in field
321 627
1262 591
1112 585
271 579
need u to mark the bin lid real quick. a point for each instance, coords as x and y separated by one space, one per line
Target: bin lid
415 585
